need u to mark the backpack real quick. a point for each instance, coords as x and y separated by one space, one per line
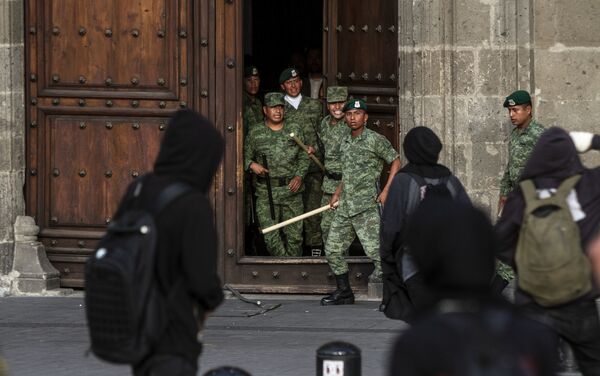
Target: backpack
126 312
428 190
551 264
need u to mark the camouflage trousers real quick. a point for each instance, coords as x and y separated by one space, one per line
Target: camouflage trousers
286 241
312 199
326 216
344 229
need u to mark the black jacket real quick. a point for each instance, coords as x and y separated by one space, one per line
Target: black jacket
187 242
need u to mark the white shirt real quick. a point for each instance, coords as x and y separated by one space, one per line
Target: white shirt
294 101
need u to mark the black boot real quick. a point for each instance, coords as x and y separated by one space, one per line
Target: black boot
343 294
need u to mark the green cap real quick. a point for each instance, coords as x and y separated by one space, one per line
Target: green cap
287 74
518 97
274 99
337 94
355 104
250 70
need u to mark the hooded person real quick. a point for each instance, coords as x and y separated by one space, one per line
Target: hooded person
422 148
553 160
465 329
186 264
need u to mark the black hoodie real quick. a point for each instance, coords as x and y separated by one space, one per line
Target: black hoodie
553 159
187 242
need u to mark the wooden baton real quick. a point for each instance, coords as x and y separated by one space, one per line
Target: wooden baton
305 148
298 218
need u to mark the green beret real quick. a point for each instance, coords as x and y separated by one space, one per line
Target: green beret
518 97
274 99
337 94
355 104
250 70
287 74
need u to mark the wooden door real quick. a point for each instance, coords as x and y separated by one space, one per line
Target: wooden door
104 76
363 56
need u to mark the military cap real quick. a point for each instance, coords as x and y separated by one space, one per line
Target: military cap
287 74
518 97
337 94
355 104
274 99
250 70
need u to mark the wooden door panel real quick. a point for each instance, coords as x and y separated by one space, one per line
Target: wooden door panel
118 47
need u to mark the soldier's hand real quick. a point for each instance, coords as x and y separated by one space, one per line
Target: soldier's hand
310 149
295 184
335 198
382 196
258 169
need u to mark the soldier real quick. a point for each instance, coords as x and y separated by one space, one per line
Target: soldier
521 141
306 112
253 112
363 155
287 166
331 132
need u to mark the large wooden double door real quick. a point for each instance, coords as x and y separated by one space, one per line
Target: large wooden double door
103 79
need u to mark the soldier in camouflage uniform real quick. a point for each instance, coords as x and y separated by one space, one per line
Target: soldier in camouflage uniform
364 153
253 112
306 112
288 165
521 141
331 132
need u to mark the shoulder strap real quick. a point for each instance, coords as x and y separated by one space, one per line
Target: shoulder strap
168 194
566 186
529 192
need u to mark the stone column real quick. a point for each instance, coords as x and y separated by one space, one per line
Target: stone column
12 125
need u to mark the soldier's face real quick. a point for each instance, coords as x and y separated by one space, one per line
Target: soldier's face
292 86
356 119
519 114
252 85
274 114
335 109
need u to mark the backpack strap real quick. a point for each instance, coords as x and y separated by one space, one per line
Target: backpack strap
559 198
418 178
529 192
563 190
168 195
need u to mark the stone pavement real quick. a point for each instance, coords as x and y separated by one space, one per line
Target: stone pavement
48 336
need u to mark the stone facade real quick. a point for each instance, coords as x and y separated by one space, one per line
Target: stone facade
457 59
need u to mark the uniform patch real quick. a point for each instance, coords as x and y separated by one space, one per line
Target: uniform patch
294 74
356 104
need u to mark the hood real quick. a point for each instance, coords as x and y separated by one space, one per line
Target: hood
422 146
554 158
190 151
454 248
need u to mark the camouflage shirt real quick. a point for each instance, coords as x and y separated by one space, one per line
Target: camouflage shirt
363 158
520 145
284 157
253 112
331 137
308 116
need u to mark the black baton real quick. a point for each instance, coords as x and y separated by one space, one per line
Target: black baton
269 189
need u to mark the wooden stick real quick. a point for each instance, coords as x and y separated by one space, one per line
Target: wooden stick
298 218
305 148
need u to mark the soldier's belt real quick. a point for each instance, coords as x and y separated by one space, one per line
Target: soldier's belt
334 175
275 181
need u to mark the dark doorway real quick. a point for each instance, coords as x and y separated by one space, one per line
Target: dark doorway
275 30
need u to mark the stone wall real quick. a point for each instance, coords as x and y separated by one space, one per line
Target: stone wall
458 59
12 125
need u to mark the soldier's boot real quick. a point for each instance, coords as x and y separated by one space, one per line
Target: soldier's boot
343 294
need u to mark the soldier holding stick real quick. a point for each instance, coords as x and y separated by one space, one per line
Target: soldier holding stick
287 166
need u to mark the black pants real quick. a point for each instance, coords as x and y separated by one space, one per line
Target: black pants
166 365
418 293
579 325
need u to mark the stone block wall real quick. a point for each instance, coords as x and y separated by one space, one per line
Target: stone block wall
12 125
458 59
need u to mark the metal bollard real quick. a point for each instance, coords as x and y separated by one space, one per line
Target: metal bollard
227 371
338 359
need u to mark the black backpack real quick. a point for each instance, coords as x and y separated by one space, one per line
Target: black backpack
126 312
428 190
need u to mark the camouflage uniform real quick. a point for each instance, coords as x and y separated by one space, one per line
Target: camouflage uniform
286 160
520 145
363 159
308 116
253 112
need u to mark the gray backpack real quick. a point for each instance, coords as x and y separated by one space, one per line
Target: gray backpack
551 264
